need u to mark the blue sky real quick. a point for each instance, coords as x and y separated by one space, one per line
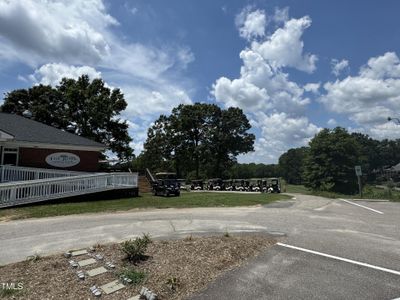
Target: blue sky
294 67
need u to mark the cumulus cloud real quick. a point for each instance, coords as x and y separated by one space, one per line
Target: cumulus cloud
51 74
251 23
339 66
312 87
70 31
69 38
279 132
370 97
284 48
275 104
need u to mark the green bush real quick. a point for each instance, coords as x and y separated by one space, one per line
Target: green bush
135 249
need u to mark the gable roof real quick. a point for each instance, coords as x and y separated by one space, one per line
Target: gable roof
27 130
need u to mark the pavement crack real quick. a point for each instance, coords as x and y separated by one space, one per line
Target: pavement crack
172 226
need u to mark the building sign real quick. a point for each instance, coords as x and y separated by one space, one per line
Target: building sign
358 170
62 159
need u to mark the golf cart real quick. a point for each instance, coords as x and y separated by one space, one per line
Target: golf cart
240 185
215 184
229 185
255 185
274 185
197 185
166 184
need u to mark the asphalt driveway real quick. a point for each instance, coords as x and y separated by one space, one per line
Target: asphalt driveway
329 249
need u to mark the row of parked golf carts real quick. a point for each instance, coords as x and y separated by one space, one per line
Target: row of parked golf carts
167 184
267 185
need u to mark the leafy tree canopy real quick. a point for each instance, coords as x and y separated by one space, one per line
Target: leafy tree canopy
197 140
86 108
330 162
291 165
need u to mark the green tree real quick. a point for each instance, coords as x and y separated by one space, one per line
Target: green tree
330 161
291 164
199 139
87 108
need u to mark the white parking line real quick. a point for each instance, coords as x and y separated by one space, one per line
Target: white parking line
356 204
354 262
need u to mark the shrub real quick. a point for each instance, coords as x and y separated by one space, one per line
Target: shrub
135 249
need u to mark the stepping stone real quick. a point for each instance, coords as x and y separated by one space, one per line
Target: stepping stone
137 297
79 252
96 271
86 262
112 287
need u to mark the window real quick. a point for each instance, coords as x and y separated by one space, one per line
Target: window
10 156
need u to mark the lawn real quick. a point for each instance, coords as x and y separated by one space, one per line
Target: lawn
104 204
369 192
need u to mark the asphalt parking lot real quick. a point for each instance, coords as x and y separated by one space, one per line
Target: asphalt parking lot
328 248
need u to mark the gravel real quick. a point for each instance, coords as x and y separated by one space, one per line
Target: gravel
174 269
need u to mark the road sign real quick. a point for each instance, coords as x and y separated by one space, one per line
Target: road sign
358 171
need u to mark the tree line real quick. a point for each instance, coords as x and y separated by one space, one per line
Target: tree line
328 163
200 140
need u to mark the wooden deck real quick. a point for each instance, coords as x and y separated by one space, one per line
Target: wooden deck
21 185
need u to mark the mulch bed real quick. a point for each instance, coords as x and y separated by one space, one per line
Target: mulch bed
190 263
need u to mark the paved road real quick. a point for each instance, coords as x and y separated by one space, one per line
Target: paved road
331 249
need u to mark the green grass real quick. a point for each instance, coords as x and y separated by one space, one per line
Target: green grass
187 199
369 192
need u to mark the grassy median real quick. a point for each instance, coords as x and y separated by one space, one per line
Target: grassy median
103 204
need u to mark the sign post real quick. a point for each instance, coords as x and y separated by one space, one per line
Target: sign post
359 173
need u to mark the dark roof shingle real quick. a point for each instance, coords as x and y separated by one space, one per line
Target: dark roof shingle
27 130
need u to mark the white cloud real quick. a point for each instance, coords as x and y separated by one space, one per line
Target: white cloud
51 74
339 66
312 87
260 87
382 67
69 38
279 132
274 103
370 97
281 15
332 122
284 48
251 23
71 32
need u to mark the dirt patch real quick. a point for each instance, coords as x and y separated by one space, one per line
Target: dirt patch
174 269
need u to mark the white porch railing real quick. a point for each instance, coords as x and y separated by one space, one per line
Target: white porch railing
23 192
13 173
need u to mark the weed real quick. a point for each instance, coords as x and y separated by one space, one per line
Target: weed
137 277
227 234
7 293
135 249
173 283
189 238
33 258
